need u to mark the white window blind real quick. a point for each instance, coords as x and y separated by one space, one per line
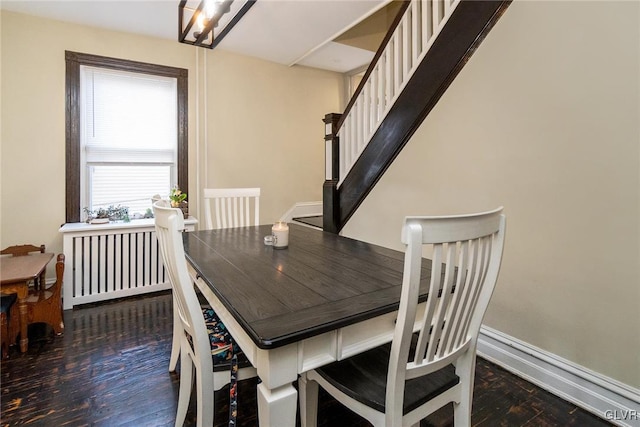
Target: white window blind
129 137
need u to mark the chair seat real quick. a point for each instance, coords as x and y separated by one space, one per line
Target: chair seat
222 343
364 378
6 301
38 295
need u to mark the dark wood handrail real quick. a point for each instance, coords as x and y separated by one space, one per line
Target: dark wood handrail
374 62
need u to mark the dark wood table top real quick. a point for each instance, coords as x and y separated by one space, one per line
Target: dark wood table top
320 283
15 269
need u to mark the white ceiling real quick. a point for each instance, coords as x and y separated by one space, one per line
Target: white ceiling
288 32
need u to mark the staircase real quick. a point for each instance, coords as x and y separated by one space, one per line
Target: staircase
426 47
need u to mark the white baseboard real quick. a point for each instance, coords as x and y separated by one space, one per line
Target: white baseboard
607 398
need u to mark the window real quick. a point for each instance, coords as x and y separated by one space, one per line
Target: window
128 138
126 133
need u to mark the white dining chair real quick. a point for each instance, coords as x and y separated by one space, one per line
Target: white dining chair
205 348
431 359
231 207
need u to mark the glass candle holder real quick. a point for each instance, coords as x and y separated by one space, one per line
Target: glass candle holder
280 232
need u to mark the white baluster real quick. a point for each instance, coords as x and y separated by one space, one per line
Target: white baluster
397 60
366 103
447 7
388 72
427 24
381 88
362 123
435 14
406 45
342 134
372 105
358 126
354 137
416 37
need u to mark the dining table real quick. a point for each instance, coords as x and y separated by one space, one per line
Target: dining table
322 299
16 272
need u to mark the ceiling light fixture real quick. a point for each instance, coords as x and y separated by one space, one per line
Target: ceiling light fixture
204 23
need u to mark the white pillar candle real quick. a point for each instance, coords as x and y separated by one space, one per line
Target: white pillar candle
280 231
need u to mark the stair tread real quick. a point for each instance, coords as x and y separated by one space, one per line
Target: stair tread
314 221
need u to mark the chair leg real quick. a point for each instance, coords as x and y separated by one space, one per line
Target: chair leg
14 325
462 413
186 385
4 330
206 401
465 369
308 390
175 343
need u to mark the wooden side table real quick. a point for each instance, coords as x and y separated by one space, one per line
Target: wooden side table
15 274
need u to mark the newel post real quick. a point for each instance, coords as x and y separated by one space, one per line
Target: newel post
330 207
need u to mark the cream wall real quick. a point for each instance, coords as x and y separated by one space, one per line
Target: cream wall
544 120
33 116
264 122
265 129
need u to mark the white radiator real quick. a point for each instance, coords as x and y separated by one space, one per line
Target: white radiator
113 260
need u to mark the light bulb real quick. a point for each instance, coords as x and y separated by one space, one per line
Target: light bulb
201 21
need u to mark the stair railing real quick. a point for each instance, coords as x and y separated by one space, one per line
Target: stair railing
386 78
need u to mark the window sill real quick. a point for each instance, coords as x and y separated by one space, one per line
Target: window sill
78 227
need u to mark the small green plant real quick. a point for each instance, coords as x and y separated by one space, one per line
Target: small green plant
177 197
113 213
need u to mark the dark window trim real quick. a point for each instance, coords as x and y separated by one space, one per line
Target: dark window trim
73 62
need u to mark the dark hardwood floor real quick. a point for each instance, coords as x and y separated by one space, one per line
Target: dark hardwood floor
110 369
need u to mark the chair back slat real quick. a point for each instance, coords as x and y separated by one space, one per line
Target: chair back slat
430 309
232 207
481 256
439 324
454 327
466 255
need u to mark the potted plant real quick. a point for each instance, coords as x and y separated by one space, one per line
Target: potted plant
104 215
179 200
